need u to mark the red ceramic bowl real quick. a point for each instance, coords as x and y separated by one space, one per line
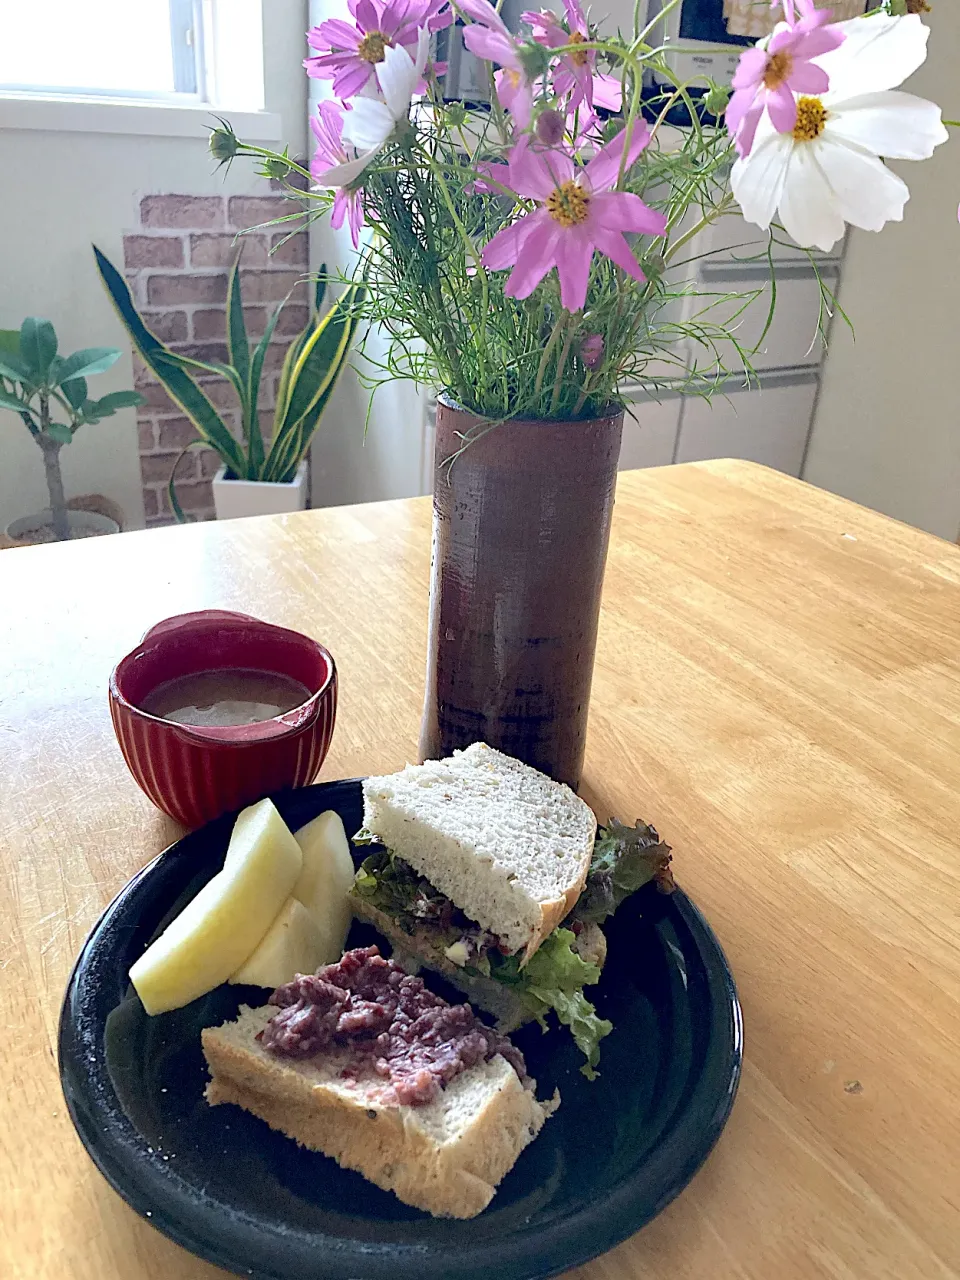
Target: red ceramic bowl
195 773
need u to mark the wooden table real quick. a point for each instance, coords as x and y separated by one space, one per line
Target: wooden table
777 688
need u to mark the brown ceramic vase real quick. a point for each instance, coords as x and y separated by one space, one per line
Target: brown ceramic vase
521 522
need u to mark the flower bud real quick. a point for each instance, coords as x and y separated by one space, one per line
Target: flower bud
535 60
224 145
715 100
550 127
653 266
591 350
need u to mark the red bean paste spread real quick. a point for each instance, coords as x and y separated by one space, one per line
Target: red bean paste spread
390 1022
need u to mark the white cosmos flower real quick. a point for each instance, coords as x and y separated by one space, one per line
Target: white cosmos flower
828 171
369 122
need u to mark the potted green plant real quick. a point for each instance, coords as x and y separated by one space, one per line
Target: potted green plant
49 394
259 476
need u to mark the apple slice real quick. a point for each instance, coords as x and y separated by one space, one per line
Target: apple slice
326 879
293 944
223 925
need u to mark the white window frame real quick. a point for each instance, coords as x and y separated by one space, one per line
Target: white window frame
223 74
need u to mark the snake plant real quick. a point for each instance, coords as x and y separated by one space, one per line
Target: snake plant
309 374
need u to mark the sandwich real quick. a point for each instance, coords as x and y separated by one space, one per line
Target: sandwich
362 1062
496 877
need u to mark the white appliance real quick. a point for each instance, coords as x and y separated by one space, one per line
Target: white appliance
707 48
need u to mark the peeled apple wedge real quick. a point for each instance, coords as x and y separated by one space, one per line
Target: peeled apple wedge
223 925
293 944
326 878
311 928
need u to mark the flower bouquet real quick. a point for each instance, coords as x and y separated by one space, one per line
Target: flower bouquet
525 256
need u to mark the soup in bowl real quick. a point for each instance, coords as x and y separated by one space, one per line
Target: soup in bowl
214 710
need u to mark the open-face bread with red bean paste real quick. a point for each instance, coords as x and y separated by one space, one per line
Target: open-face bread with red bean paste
364 1063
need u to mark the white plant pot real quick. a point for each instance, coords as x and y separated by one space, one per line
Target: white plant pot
90 521
234 498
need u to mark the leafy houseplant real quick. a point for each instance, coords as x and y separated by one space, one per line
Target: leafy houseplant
49 392
533 258
312 364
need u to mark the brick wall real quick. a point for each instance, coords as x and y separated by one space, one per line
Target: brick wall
177 263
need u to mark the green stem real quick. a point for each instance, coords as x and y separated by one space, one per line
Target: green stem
423 199
658 17
544 359
582 397
631 120
266 154
561 364
472 252
717 212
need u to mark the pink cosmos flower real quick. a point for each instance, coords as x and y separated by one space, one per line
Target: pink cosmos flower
770 76
575 73
348 55
488 37
331 153
585 127
577 211
515 94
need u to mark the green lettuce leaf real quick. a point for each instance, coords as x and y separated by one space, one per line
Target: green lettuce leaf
554 979
392 885
576 1012
624 859
555 964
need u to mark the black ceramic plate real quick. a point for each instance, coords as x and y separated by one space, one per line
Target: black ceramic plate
222 1184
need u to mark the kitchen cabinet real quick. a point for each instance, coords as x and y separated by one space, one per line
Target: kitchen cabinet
792 339
650 432
767 424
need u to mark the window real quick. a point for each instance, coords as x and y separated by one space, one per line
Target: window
105 48
161 67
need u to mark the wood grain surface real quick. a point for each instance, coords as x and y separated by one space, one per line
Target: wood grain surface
777 689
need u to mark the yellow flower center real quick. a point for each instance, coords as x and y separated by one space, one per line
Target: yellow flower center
779 67
512 78
811 119
578 59
372 47
568 204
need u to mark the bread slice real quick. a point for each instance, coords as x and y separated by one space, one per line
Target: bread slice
506 844
446 1157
